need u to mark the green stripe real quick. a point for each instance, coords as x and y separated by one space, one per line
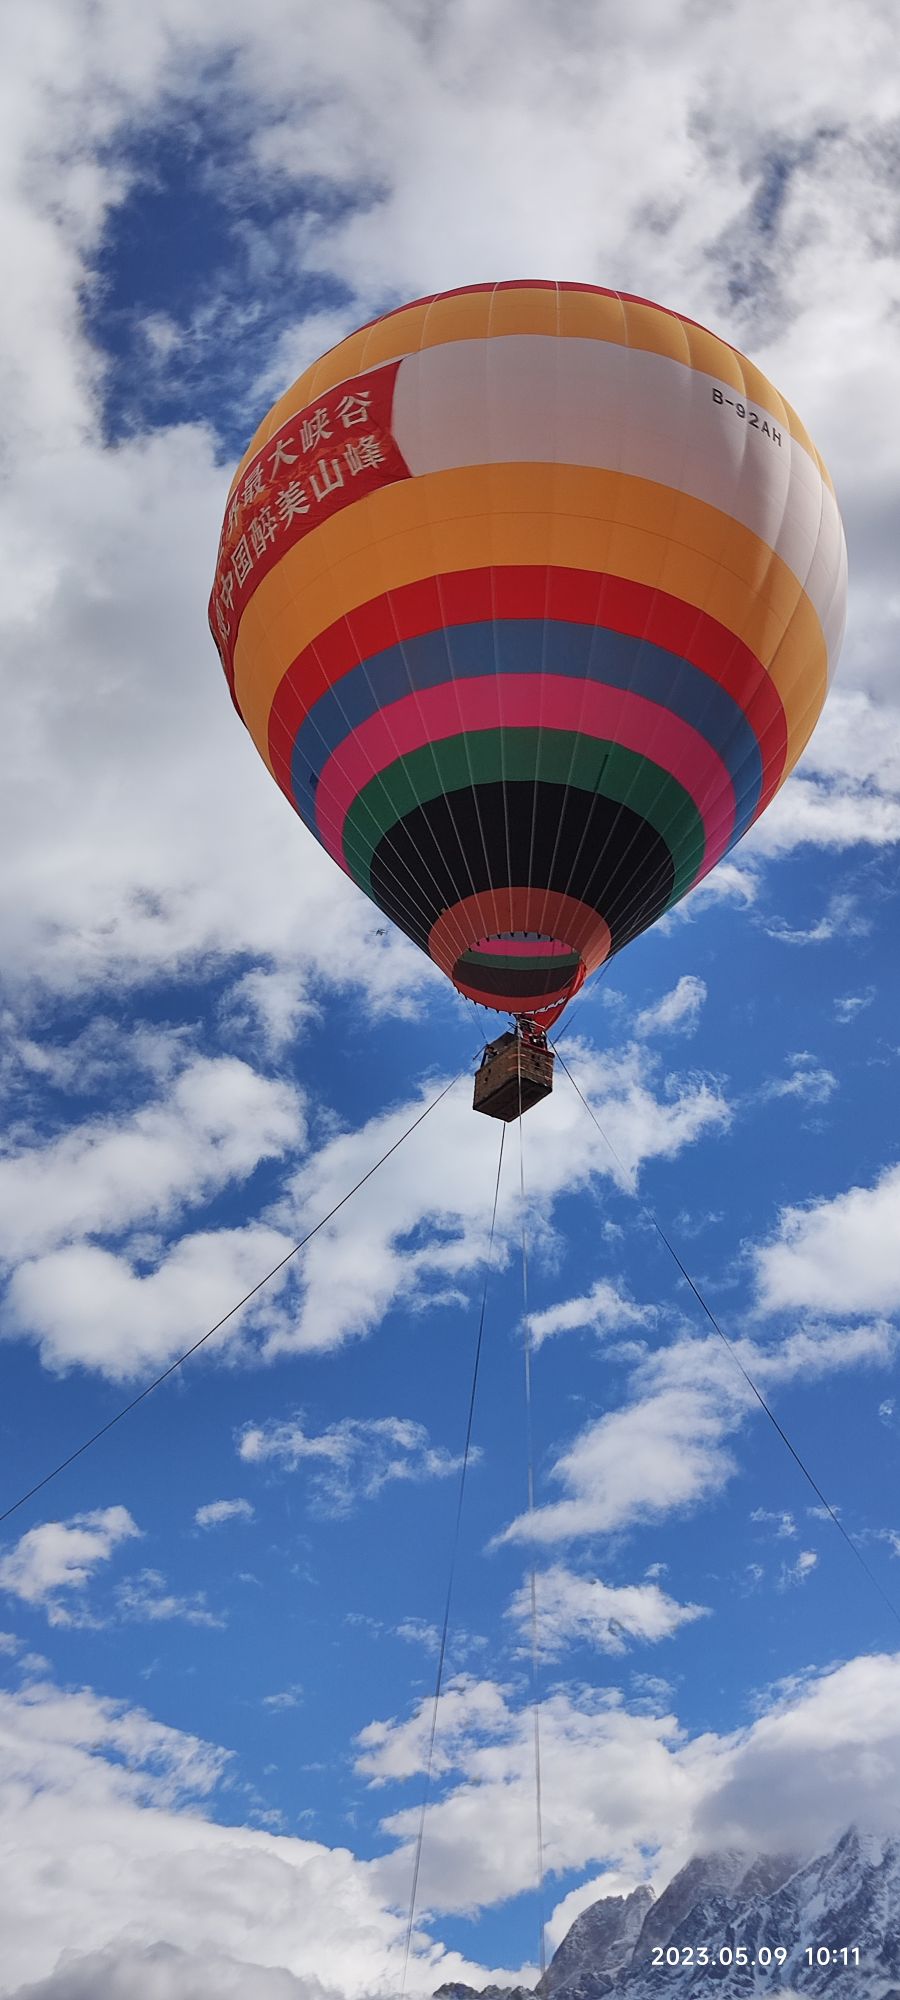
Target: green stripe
551 756
565 963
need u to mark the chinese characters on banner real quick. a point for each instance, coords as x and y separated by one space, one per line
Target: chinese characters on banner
335 451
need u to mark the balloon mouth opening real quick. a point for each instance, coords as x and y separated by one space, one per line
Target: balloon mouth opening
519 972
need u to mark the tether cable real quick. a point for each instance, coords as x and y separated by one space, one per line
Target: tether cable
532 1579
442 1649
180 1359
732 1350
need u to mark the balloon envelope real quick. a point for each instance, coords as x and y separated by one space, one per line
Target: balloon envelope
529 595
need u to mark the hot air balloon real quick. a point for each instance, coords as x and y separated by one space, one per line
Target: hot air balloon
529 595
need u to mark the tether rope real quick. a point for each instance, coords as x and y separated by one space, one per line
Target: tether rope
180 1359
714 1323
442 1650
532 1580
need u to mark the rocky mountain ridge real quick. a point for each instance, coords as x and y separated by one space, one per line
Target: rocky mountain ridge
719 1926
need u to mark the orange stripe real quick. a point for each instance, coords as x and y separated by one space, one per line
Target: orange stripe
570 516
532 309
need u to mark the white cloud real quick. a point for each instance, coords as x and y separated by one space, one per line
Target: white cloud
819 1350
659 1454
289 1697
611 1883
421 1220
163 1972
620 1786
218 1121
83 1778
418 1632
836 1256
351 1460
851 1004
605 1309
784 1524
842 919
216 1511
807 813
146 1599
424 1218
797 1572
91 1306
584 1610
677 1012
727 883
63 1556
665 1449
806 1083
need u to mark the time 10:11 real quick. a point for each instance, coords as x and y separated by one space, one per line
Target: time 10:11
846 1954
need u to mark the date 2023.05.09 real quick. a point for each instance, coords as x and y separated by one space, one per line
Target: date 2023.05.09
738 1954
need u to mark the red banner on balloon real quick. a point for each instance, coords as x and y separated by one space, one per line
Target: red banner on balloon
329 454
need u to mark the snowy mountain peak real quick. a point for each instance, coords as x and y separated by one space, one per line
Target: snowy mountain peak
598 1947
835 1919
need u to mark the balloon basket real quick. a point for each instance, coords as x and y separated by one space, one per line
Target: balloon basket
514 1075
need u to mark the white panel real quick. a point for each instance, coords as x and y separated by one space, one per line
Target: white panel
539 397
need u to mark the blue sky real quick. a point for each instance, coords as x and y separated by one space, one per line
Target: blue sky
218 1628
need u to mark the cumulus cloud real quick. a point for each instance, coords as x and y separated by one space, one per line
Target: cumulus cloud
848 795
216 1511
103 1309
573 1609
217 1122
809 814
662 1453
352 1460
677 1012
163 1972
836 1256
123 1308
605 1309
62 1556
418 1227
667 1448
824 1751
83 1777
423 1220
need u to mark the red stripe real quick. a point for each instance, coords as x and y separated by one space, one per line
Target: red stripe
513 1003
580 597
507 907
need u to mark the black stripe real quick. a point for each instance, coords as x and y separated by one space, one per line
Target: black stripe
547 836
484 979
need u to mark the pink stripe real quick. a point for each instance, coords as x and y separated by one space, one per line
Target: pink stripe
521 947
527 701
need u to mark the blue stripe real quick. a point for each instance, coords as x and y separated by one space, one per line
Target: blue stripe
530 646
